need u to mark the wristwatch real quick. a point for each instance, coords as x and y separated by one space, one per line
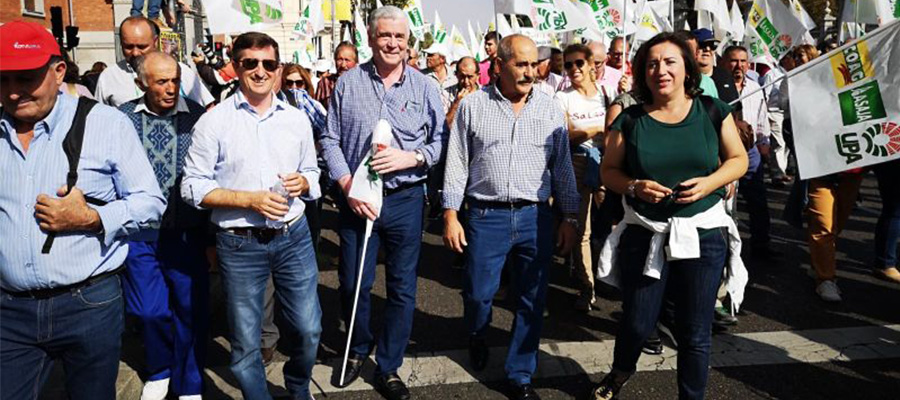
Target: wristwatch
420 159
630 190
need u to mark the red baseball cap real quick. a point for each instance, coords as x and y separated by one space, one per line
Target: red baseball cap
25 45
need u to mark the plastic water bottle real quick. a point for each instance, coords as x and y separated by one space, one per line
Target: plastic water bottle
277 188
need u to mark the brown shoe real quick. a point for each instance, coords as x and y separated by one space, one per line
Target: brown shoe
268 354
890 274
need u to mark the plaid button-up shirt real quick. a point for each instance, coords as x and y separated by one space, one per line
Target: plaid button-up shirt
495 155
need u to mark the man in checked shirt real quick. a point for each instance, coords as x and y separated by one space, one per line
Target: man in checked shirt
508 154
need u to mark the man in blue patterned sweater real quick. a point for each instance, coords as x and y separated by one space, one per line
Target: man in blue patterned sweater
166 283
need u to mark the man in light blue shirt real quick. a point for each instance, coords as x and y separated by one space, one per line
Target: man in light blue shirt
250 159
64 302
384 88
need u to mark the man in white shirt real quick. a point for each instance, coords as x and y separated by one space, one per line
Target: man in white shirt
116 84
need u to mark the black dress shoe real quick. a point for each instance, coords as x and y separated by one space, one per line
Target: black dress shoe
478 353
524 392
391 387
354 367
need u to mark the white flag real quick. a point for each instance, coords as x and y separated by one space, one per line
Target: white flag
416 18
846 106
311 22
649 25
477 44
771 31
869 11
503 28
242 15
802 15
438 30
512 7
514 24
737 23
721 22
558 16
458 46
362 38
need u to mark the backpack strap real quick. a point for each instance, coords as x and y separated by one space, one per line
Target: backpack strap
72 148
714 114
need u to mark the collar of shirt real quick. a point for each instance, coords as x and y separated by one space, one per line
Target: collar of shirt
40 127
373 72
180 107
240 102
495 89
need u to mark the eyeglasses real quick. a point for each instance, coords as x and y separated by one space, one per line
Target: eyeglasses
579 63
252 63
292 83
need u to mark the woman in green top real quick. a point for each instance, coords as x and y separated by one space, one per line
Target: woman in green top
669 160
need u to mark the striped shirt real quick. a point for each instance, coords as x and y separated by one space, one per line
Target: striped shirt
113 168
495 155
412 106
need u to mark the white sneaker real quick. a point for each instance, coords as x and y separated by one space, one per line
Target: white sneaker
191 397
829 291
155 390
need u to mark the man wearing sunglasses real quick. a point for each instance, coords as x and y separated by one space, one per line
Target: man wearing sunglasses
383 88
116 85
706 59
252 160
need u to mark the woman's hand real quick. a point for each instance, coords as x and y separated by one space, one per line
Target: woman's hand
650 191
695 189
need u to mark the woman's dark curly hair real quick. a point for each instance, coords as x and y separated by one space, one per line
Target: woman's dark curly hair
691 69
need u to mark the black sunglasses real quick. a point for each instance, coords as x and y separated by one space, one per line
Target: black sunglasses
292 83
578 63
252 63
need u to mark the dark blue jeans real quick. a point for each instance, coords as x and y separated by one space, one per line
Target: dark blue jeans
399 227
694 284
525 235
166 286
246 263
753 189
82 328
887 230
137 8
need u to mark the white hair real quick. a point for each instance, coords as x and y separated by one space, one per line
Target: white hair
386 12
141 64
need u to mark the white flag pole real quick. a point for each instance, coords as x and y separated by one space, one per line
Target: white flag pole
672 14
359 277
624 35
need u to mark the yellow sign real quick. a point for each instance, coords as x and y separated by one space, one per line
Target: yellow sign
344 10
852 65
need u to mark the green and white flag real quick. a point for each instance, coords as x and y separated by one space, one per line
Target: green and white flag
242 15
771 31
305 57
550 16
845 106
458 46
311 22
438 30
609 18
361 36
649 25
416 18
477 44
802 15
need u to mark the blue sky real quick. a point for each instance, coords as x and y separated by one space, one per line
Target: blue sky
459 11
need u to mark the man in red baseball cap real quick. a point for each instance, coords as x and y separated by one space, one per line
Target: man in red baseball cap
63 300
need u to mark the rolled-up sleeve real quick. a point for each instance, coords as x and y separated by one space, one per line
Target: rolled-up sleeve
456 173
564 190
331 138
200 166
140 202
436 142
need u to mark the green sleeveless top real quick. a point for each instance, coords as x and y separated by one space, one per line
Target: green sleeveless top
671 154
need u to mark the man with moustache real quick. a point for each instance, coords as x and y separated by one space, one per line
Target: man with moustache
345 58
251 158
506 181
62 300
116 84
166 281
383 88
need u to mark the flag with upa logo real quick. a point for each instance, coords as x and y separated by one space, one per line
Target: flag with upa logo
239 16
845 106
552 16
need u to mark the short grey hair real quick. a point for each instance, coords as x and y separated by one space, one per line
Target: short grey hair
140 64
505 49
385 12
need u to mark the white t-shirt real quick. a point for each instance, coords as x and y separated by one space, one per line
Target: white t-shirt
583 112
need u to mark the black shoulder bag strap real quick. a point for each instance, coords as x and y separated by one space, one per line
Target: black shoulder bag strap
72 147
714 114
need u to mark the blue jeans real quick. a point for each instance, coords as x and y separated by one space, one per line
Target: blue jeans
887 230
166 286
693 291
400 227
83 328
525 235
137 8
246 264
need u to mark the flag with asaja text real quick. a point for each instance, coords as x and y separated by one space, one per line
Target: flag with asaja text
845 106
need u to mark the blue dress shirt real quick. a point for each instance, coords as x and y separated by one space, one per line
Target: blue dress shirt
113 168
235 148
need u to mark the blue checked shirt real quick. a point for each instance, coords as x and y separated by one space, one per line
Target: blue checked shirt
235 148
113 168
412 106
495 155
